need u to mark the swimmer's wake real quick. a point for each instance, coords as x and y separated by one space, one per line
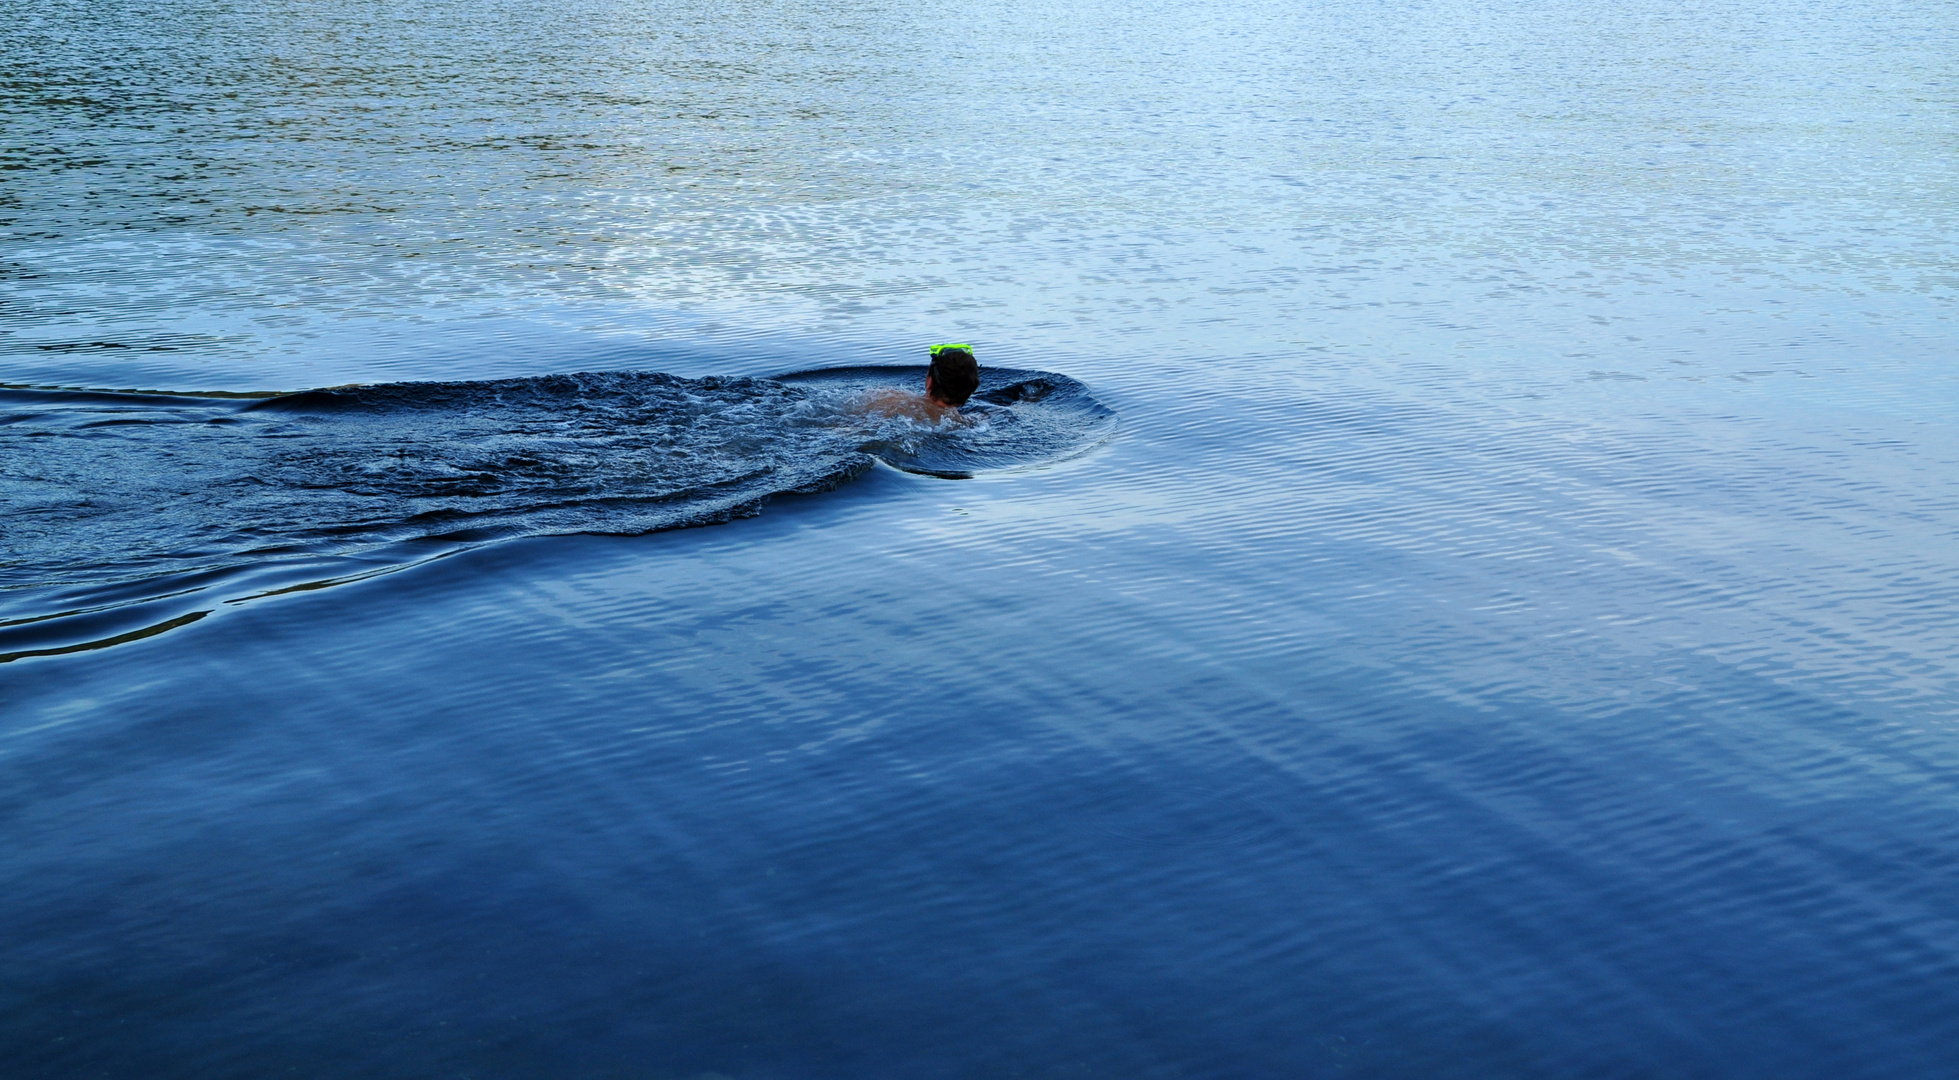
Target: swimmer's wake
124 511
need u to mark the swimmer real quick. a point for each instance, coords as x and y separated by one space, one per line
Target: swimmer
951 379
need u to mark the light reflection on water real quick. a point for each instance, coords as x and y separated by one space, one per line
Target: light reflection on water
1513 632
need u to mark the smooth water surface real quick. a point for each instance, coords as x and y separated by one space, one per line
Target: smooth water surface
1484 602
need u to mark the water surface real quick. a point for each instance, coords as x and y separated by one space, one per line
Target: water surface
1512 630
134 513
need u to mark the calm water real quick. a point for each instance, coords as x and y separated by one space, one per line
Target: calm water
1483 601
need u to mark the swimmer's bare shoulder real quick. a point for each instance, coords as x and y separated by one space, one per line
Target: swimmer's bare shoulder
892 401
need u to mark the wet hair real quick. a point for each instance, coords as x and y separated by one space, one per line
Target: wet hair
955 374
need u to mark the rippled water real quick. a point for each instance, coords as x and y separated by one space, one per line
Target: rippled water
1512 629
133 513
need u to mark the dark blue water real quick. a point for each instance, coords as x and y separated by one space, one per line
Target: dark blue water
132 514
1469 586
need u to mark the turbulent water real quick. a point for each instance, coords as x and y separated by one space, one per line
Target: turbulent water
122 507
1512 630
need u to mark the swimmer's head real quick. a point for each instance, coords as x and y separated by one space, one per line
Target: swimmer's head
953 376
